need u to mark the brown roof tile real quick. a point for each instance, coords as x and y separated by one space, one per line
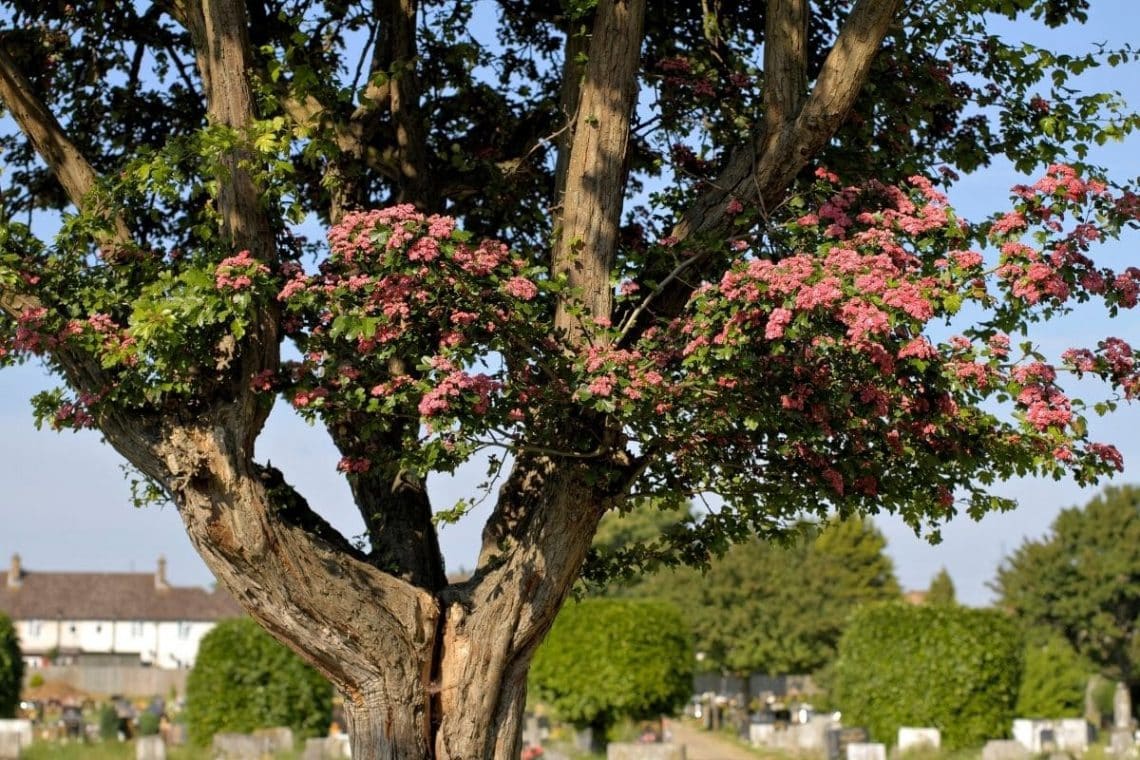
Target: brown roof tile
109 596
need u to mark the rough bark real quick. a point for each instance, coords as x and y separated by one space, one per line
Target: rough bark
595 173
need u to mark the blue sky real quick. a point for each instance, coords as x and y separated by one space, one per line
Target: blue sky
65 503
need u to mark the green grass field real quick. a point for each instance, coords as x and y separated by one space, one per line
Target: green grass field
116 751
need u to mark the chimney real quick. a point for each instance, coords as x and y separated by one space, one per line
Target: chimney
15 573
160 583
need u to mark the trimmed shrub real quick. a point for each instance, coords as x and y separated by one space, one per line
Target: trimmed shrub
243 679
954 668
11 669
607 659
1054 682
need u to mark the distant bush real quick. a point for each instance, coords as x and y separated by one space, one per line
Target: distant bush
108 723
35 680
11 669
954 668
1055 678
607 659
243 680
148 724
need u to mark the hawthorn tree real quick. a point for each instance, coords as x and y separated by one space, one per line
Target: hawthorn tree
662 252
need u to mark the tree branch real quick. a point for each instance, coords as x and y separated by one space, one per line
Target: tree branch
761 173
61 155
785 62
595 175
219 30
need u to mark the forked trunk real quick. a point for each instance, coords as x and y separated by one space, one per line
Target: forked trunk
424 675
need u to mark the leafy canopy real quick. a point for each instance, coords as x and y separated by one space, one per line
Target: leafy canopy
1080 581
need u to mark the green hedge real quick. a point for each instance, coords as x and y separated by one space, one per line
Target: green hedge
1055 679
243 680
11 669
953 668
607 659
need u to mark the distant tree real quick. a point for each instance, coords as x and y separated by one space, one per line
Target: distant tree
243 680
941 589
1082 581
779 607
607 659
955 668
11 668
1055 678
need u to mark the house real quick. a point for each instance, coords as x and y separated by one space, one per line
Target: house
109 618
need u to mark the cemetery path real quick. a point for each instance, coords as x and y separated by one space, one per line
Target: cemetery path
702 745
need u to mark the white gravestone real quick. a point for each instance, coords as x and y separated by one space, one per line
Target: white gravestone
914 738
866 751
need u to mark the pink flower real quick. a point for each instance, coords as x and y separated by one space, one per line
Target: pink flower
778 320
602 386
521 287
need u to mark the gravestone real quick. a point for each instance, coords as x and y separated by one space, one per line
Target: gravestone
1004 749
1122 708
327 748
21 727
150 748
914 738
761 734
277 739
1123 741
636 751
1073 735
837 738
10 745
237 747
866 751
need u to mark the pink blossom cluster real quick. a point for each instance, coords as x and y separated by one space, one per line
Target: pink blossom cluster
454 384
237 272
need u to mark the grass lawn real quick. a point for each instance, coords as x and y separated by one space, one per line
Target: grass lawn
116 751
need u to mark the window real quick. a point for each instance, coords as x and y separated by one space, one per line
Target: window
183 630
136 629
35 628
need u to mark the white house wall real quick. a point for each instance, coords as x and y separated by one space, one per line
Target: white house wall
167 644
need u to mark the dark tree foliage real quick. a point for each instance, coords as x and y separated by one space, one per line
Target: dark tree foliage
778 608
11 669
941 589
243 680
954 668
1082 581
